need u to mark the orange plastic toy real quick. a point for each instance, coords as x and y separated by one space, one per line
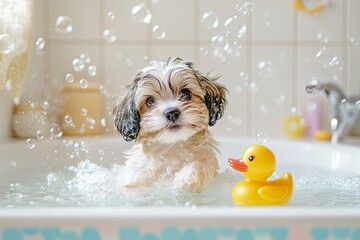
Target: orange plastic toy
258 164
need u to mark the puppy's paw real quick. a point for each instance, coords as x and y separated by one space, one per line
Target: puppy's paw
194 177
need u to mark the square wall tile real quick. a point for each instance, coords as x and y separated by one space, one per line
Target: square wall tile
122 63
176 18
62 62
232 69
84 15
353 19
354 70
162 52
119 18
271 87
273 20
214 14
326 26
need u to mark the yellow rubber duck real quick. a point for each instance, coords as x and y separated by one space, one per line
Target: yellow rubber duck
258 164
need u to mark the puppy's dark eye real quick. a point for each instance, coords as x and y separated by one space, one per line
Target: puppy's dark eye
150 101
252 157
185 94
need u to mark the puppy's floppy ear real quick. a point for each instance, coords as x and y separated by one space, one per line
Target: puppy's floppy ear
127 117
215 97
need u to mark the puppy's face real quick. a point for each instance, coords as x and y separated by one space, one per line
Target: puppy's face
169 102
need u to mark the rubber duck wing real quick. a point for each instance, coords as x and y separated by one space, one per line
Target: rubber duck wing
273 193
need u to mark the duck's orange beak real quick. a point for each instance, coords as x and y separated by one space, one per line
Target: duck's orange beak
238 164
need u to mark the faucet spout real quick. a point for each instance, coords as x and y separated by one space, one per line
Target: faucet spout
344 111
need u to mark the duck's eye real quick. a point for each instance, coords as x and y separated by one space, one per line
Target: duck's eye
185 94
252 157
150 101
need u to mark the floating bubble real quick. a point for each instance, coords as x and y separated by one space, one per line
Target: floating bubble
220 42
92 70
141 13
83 83
56 132
84 112
265 69
313 87
68 119
210 20
78 64
7 44
86 57
280 99
158 32
326 57
109 35
8 85
235 27
103 122
103 89
111 15
245 9
40 134
69 78
253 87
30 143
40 45
357 105
204 50
63 24
262 137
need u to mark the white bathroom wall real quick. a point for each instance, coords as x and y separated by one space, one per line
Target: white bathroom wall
265 76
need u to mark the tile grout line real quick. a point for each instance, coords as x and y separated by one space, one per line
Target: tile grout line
102 74
45 32
149 40
344 47
249 96
295 61
196 39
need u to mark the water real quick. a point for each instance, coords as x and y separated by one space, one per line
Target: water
91 185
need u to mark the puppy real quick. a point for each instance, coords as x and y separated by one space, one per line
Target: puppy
167 110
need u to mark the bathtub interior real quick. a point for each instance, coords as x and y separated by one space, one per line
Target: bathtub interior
84 172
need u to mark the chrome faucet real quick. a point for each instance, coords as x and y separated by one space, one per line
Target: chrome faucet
344 111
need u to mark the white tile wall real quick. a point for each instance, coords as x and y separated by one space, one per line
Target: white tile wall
277 35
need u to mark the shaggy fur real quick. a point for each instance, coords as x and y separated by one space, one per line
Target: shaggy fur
167 109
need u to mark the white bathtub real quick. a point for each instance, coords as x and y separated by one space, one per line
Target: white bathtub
291 221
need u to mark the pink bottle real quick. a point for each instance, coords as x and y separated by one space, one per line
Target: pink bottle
313 114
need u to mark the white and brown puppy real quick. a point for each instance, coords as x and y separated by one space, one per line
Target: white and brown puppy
167 110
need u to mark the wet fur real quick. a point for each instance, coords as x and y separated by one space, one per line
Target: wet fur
182 152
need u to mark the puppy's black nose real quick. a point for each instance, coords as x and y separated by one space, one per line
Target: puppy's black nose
172 114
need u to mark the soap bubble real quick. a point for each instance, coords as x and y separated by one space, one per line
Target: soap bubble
56 132
262 137
69 78
86 57
204 50
109 35
141 13
280 99
265 69
245 9
68 119
92 70
84 112
78 64
83 83
40 134
210 20
357 105
40 45
220 42
8 85
235 27
7 44
103 89
30 143
326 57
313 87
111 15
63 24
158 32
